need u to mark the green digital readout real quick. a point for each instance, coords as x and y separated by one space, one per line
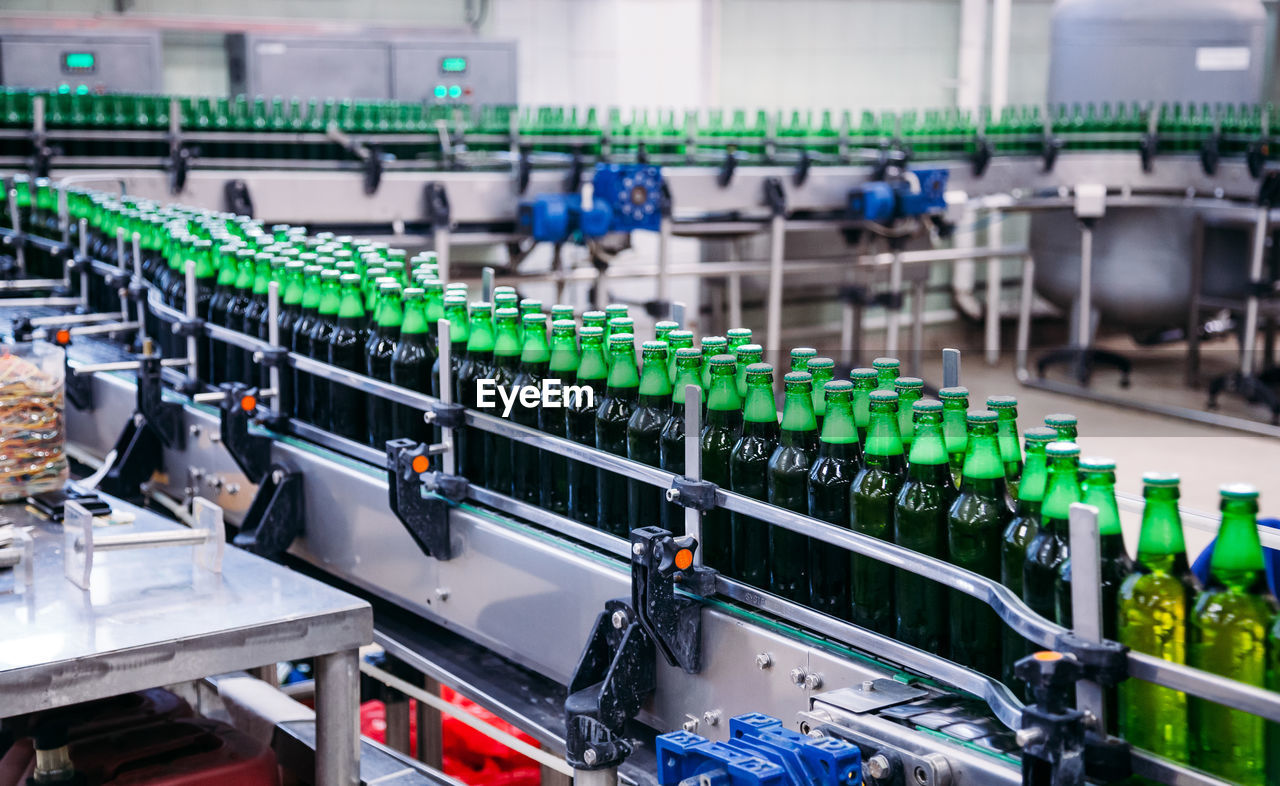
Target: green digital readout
453 65
78 62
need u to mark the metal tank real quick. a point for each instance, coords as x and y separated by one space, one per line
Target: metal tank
1209 51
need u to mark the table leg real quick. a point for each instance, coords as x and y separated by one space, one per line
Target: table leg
430 730
338 719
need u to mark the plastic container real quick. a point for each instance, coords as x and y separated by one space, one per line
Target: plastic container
32 456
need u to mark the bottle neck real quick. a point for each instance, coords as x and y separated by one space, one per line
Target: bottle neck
799 425
884 443
1237 555
928 458
1063 489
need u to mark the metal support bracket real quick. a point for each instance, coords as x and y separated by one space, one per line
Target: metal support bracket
1052 734
802 168
188 327
524 168
658 562
276 516
775 196
1211 154
179 164
251 453
1148 146
615 674
982 155
1255 157
162 417
237 197
448 415
425 517
372 165
79 388
689 493
435 207
156 424
1050 147
727 167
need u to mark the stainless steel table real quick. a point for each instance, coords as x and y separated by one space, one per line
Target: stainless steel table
152 617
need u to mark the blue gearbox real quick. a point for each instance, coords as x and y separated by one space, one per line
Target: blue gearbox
759 752
633 192
885 201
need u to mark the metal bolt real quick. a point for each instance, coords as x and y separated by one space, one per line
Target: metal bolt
277 476
442 593
214 481
589 756
815 734
1026 737
138 420
637 549
619 619
233 489
673 495
257 357
194 431
690 725
797 675
711 717
429 417
868 686
877 767
813 681
763 661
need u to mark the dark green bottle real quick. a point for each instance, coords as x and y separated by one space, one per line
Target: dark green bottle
749 474
346 350
719 435
789 468
747 356
317 346
563 366
671 441
644 433
498 471
224 292
580 424
838 462
477 365
290 313
1006 409
887 372
1018 535
676 341
1098 488
823 371
595 319
381 345
1063 423
712 346
1229 631
975 523
864 381
239 364
612 416
872 498
800 357
411 367
920 524
955 403
1154 604
909 390
535 362
661 330
1051 546
455 310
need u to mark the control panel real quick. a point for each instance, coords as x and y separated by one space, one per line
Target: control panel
82 62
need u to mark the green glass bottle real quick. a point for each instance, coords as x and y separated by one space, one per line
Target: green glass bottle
224 291
478 365
411 367
1019 534
823 371
872 497
661 330
865 380
737 337
838 462
1098 488
671 441
498 471
1152 617
789 468
975 523
580 424
747 355
317 346
299 343
346 350
887 371
749 474
535 363
594 319
719 435
1063 423
1006 409
1229 626
455 310
800 357
612 416
712 346
290 313
676 341
562 366
920 524
378 351
1041 572
644 432
955 403
909 390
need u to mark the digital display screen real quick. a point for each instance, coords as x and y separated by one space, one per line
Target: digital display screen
453 65
78 62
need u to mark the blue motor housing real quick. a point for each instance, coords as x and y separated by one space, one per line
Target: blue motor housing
886 201
633 191
759 752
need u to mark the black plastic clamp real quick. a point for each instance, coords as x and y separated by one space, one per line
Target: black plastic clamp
188 327
79 386
163 417
889 300
802 168
1050 147
696 494
1211 154
179 164
573 178
642 153
435 204
277 515
1261 288
1054 752
1269 189
79 264
42 159
659 561
982 154
237 197
448 415
775 196
524 168
252 453
727 167
274 357
1255 157
372 166
136 292
118 279
1148 146
424 516
1104 662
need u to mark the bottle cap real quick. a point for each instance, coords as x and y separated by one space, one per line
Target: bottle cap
758 370
821 364
591 331
838 386
909 383
1062 448
1239 491
723 360
1096 464
884 396
980 416
863 374
925 405
1161 479
1060 419
797 377
621 339
1001 402
687 352
885 363
953 393
1040 434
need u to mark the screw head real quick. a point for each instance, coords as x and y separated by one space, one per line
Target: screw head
813 681
277 476
637 549
1025 737
673 495
877 767
868 686
690 725
815 734
711 717
797 675
442 593
589 756
764 660
619 619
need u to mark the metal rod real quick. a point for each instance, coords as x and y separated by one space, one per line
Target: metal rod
337 719
1025 301
449 461
440 241
917 328
1086 598
693 461
664 259
950 367
892 312
1085 299
30 283
486 284
992 317
20 253
273 338
773 317
136 241
733 294
84 255
191 298
144 540
1257 259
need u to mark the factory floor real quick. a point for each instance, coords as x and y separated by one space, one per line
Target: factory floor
1205 456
